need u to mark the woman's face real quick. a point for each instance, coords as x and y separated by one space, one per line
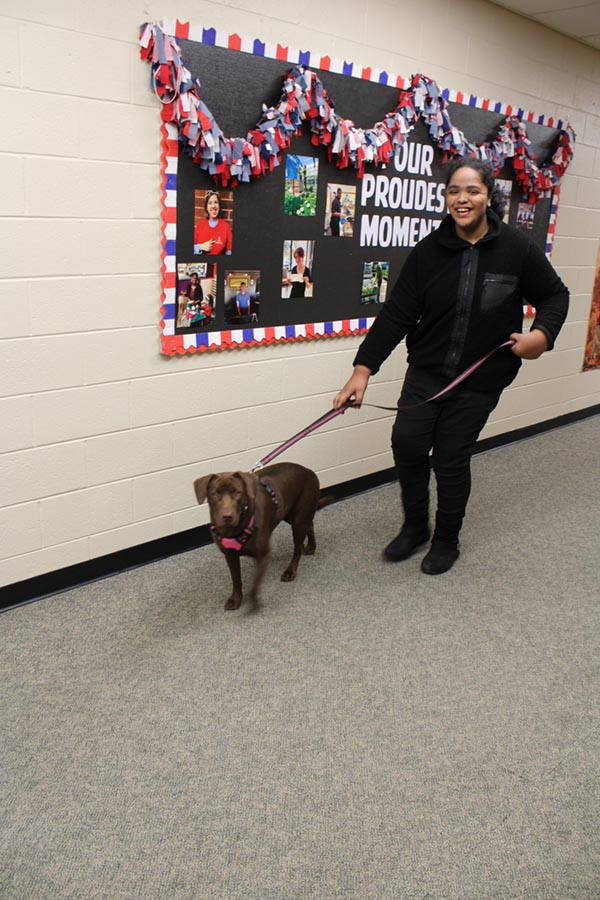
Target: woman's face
299 258
467 199
213 207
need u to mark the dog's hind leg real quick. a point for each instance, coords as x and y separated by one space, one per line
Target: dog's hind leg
233 561
311 544
299 533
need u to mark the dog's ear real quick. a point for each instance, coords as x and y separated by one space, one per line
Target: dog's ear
250 483
201 488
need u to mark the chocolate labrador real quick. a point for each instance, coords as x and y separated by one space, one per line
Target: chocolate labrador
245 508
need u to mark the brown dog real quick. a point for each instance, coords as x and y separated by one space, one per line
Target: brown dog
245 508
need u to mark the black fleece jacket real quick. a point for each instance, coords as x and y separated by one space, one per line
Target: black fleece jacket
455 301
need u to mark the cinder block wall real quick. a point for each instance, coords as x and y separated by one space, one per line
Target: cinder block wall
101 436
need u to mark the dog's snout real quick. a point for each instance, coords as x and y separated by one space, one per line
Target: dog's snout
227 518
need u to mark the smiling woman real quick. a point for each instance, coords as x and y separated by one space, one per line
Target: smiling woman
468 199
459 295
212 234
470 190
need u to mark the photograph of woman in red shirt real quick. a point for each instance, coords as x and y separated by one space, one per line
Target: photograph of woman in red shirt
212 235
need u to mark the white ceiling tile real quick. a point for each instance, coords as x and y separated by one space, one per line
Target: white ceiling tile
580 21
574 18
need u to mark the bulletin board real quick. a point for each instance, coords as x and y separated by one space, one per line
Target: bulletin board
298 229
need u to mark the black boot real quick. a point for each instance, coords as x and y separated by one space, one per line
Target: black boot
441 557
410 538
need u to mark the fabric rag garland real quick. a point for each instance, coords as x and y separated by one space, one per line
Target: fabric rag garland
304 98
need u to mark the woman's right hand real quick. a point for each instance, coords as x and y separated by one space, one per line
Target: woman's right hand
207 246
354 388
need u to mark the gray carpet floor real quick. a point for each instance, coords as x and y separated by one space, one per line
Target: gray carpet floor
372 733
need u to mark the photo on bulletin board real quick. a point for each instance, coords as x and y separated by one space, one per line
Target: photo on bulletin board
374 282
266 168
241 297
525 216
196 296
339 210
301 179
506 187
297 278
213 222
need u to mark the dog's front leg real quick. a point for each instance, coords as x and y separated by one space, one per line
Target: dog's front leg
262 563
233 561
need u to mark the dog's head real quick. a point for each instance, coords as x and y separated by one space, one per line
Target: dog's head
229 496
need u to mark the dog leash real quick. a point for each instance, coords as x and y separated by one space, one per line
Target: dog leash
350 404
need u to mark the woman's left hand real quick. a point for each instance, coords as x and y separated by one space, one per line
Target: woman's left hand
529 345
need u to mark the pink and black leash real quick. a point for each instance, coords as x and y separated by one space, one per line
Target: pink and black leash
332 413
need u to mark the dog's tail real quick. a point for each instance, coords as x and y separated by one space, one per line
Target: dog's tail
325 501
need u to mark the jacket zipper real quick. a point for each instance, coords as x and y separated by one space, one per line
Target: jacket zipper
462 311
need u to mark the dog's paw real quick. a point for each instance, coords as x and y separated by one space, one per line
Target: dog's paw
233 603
288 575
309 549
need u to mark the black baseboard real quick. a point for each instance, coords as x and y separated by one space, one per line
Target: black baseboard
520 434
91 570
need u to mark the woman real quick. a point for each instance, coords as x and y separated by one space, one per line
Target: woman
460 294
303 279
193 297
194 291
212 235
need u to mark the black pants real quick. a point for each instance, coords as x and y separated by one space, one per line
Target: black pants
451 427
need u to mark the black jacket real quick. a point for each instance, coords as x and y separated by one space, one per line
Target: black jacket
455 301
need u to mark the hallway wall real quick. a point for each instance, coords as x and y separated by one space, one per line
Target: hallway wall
102 435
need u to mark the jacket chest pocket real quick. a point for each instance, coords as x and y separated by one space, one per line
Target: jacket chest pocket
498 291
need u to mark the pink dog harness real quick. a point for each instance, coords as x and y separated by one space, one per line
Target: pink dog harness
234 543
237 543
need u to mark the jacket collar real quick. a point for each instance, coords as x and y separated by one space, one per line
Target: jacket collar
447 236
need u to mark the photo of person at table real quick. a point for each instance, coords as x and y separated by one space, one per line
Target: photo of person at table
242 297
196 291
213 215
297 279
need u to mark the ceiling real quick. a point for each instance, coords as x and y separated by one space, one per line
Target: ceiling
576 18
